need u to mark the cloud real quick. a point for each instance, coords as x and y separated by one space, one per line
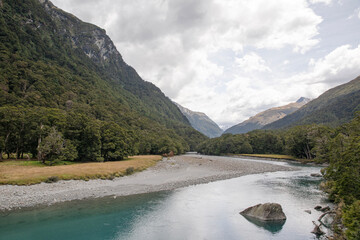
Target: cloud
337 67
169 41
252 62
326 2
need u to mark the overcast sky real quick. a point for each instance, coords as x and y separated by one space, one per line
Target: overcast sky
232 58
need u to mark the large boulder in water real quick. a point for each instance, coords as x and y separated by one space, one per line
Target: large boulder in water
265 212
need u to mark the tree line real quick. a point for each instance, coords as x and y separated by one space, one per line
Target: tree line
300 141
50 134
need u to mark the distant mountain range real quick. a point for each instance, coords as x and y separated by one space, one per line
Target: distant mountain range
201 122
334 107
266 117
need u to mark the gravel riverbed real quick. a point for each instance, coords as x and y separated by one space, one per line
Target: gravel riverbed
168 174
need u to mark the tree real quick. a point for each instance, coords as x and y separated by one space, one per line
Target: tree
114 142
52 147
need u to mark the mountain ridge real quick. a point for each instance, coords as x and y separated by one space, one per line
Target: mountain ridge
265 117
201 122
334 107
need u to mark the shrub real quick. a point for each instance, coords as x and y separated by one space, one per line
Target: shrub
130 170
52 179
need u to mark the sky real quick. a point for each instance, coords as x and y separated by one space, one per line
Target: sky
232 59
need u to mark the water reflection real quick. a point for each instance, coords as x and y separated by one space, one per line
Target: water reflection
271 226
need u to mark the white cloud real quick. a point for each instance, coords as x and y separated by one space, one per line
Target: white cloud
252 62
327 2
337 67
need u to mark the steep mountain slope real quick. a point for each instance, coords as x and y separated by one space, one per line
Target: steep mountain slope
50 59
263 118
334 107
201 122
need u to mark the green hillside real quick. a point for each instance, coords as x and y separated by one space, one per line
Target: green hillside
334 107
57 72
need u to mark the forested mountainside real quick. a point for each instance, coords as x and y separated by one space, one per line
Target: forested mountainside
201 122
266 117
334 107
63 76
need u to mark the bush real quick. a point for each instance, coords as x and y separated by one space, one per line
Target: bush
52 179
352 221
130 170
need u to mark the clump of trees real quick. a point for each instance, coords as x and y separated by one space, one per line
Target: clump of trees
53 135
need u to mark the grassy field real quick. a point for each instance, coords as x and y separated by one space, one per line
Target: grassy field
31 172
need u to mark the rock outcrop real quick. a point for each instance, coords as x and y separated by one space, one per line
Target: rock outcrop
265 212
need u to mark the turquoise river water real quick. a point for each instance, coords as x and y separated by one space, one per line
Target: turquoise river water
205 211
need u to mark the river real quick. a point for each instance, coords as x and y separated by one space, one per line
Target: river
204 211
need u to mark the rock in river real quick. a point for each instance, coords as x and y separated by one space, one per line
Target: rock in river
265 212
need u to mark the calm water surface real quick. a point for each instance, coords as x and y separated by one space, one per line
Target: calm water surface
206 211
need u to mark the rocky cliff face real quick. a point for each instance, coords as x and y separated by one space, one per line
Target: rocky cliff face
201 122
91 39
263 118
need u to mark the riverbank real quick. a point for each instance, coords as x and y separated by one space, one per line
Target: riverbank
168 174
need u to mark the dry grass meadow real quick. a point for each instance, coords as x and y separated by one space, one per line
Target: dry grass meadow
32 172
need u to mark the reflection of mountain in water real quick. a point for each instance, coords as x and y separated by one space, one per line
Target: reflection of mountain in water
271 226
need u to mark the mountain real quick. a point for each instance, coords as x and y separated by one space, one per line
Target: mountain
52 62
201 122
263 118
334 107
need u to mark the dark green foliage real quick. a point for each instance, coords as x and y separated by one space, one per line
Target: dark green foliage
257 141
351 219
47 80
343 172
307 142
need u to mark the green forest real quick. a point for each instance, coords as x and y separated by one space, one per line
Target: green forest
338 147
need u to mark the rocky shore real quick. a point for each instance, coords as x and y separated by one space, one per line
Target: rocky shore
168 174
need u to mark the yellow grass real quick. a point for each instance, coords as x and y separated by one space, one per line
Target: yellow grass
20 174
